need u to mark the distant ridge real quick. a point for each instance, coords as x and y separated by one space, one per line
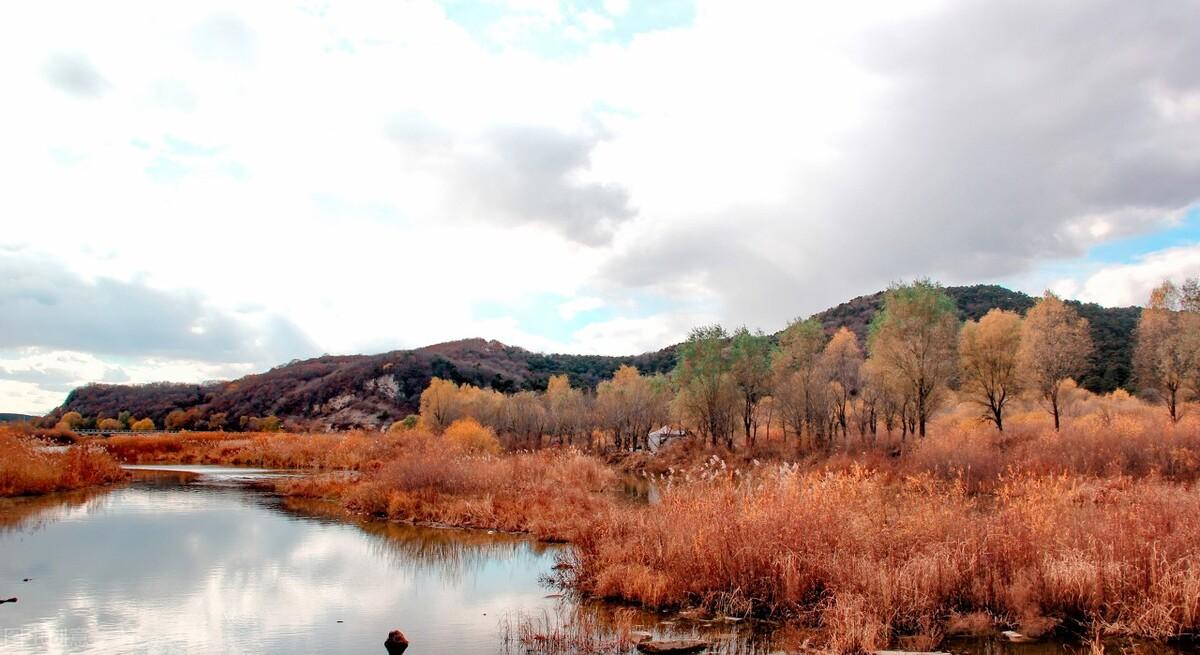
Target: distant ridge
341 391
10 417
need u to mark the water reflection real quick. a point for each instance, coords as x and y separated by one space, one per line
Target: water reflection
170 564
197 560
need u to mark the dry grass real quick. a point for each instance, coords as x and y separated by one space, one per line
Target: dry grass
347 451
27 469
869 557
1095 528
407 476
575 631
550 494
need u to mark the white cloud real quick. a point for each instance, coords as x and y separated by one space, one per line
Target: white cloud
370 174
576 306
1130 284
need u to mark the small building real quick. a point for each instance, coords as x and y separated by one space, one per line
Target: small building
661 436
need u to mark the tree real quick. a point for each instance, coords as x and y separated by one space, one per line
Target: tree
798 386
987 355
706 388
1167 356
71 420
1055 345
750 368
525 416
439 404
216 421
630 405
914 338
841 362
564 408
177 419
143 425
110 424
125 418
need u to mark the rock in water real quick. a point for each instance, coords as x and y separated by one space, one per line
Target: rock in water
1016 637
673 646
396 643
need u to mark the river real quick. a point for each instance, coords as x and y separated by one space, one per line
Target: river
196 561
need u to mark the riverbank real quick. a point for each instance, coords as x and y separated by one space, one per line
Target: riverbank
29 467
1094 531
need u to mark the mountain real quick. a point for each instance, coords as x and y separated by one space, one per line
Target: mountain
9 417
338 391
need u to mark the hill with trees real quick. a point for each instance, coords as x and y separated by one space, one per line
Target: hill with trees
343 391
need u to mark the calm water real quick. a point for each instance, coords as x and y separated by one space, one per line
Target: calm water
187 563
193 559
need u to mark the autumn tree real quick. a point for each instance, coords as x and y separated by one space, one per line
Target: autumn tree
1055 345
706 389
439 404
525 417
841 363
216 420
71 420
565 408
1167 356
799 388
987 356
143 425
630 405
750 369
110 424
177 419
914 337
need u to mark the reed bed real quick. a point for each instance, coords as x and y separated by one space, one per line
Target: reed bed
27 468
1093 529
867 556
343 451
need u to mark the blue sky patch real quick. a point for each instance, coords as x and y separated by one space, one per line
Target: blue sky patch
579 23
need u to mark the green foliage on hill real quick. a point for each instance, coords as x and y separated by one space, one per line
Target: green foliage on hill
1112 327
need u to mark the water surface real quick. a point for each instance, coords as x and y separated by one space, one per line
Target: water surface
194 561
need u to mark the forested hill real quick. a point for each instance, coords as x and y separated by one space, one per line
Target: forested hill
1112 327
338 391
374 390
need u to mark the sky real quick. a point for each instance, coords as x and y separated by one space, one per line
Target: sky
197 191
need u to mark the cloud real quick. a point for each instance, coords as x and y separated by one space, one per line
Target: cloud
74 74
324 179
225 38
985 140
48 307
1130 284
520 175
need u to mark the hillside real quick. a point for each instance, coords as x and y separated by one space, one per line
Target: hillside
1112 327
374 390
357 390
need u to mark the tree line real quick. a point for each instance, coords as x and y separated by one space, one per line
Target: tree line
822 388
